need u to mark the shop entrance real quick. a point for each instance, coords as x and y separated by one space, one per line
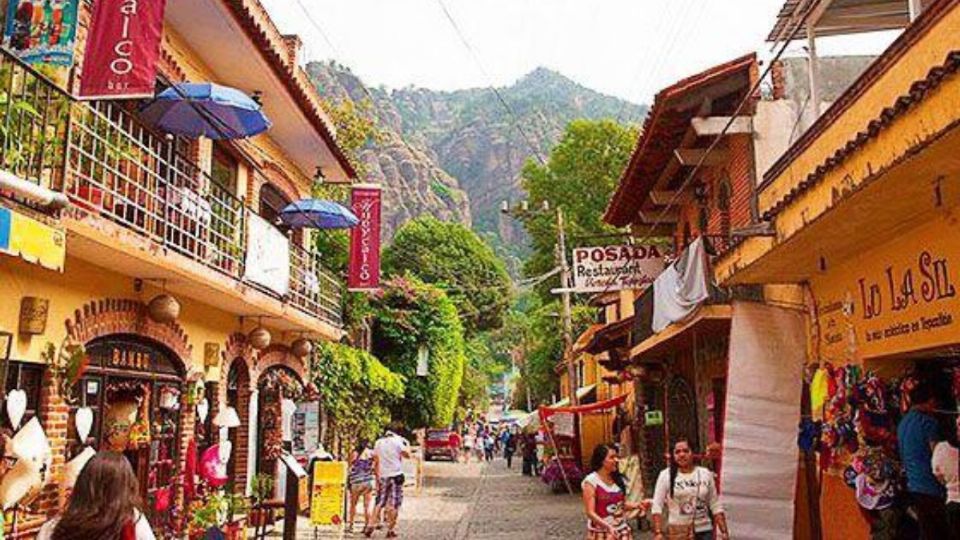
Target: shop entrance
238 397
275 384
133 386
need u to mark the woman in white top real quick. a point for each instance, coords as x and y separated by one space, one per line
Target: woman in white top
690 496
105 504
946 462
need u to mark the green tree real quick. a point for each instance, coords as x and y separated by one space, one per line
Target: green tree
580 176
454 258
410 315
356 390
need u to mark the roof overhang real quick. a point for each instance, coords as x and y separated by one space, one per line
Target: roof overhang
238 42
669 127
679 336
838 17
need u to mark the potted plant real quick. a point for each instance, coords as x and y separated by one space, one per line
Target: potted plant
221 512
262 491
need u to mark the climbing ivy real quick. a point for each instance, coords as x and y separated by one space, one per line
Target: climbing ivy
355 390
409 314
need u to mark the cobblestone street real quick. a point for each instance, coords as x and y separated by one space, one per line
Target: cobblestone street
487 501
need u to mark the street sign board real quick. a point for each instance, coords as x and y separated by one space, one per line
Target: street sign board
615 268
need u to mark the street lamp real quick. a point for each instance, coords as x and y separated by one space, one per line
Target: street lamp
523 212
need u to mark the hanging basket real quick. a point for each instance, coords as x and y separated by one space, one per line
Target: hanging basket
163 309
259 338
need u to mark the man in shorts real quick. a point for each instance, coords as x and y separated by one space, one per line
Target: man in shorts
388 454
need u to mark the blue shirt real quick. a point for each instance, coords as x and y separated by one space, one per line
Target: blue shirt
914 435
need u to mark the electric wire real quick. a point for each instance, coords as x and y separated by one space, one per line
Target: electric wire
716 141
483 71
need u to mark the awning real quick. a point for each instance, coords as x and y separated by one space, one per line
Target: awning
840 17
32 240
677 336
547 412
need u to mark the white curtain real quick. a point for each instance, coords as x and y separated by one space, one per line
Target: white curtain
767 352
681 287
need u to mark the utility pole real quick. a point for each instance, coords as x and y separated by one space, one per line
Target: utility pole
565 285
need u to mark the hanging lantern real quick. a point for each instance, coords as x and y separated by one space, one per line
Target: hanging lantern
301 348
259 338
83 421
163 308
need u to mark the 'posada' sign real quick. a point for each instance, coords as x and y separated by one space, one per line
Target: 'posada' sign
614 268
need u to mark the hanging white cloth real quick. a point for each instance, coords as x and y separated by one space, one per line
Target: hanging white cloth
682 287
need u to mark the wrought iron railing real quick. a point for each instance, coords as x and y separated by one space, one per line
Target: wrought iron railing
110 164
33 125
313 288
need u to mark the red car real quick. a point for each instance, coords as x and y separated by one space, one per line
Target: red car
442 443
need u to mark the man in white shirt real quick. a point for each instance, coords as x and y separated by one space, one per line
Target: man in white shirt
388 454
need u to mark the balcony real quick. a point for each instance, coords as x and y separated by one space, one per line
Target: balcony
109 165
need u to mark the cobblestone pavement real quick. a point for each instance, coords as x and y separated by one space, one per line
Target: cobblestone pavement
484 502
487 502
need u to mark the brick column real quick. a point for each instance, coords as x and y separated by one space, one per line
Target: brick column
188 423
54 415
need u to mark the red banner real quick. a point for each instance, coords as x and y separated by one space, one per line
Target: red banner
364 272
120 61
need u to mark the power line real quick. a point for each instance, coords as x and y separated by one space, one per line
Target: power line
503 102
716 141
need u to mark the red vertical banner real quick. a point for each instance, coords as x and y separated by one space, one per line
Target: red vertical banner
364 271
123 46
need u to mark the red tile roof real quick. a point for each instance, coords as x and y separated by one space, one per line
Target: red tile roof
663 130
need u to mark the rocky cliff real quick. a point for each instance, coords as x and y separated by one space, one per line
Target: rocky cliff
457 155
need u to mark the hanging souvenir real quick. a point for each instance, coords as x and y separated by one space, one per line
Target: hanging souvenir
31 444
20 484
16 407
213 469
83 421
203 409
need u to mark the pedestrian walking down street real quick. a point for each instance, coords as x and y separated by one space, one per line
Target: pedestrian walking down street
528 450
105 504
509 447
917 435
388 454
690 494
360 482
605 497
488 446
469 442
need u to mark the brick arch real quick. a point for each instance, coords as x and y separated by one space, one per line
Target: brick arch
278 355
237 348
281 180
109 316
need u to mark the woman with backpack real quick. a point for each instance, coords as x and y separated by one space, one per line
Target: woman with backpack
690 495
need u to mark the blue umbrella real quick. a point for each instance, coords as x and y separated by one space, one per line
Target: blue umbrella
317 214
206 109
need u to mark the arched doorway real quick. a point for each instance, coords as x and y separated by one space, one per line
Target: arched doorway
276 383
133 385
238 397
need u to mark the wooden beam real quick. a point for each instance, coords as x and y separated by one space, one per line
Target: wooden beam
650 217
713 125
690 157
665 197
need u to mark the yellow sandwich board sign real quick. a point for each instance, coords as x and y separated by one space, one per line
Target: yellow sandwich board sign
327 496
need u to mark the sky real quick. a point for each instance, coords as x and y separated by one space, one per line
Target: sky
626 48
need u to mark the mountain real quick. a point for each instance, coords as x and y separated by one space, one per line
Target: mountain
457 155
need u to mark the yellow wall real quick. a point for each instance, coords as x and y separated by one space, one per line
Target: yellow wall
82 283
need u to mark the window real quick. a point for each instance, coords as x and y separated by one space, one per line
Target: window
29 378
272 202
224 169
